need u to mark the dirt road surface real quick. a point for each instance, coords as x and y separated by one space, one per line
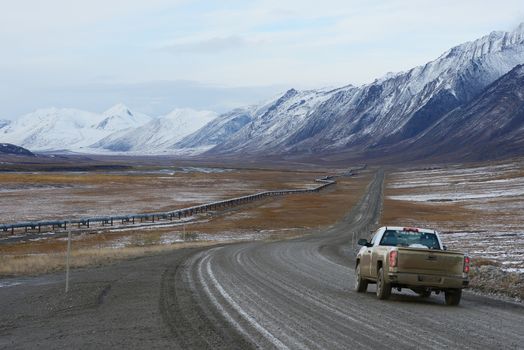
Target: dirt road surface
295 294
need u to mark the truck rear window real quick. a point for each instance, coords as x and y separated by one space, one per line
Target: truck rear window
399 238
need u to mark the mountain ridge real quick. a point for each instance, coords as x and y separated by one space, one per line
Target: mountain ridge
384 112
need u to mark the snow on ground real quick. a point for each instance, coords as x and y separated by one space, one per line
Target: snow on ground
189 236
177 237
490 197
462 191
8 284
144 192
172 171
506 248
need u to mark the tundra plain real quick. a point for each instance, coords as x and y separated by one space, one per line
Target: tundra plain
42 196
478 208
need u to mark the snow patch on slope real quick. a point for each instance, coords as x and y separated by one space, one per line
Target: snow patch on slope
119 117
70 129
158 135
53 129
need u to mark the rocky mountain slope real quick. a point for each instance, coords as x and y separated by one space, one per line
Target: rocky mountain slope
53 129
9 149
218 130
386 112
489 126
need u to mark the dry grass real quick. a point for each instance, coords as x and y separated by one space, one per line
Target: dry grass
478 262
31 264
40 196
300 211
284 217
431 215
490 279
64 178
273 179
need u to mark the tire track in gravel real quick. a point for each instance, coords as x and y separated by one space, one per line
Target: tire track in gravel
298 294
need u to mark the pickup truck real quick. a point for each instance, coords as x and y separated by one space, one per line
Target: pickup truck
414 258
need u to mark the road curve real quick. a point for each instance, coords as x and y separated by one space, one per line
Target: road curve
298 294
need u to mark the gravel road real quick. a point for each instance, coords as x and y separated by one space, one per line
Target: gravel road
293 294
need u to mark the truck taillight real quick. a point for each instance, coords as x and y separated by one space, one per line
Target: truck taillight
393 258
466 264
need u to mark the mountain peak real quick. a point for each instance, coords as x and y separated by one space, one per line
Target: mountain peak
120 117
118 109
517 35
160 134
290 93
495 41
519 28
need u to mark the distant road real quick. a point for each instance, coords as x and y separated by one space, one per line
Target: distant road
295 294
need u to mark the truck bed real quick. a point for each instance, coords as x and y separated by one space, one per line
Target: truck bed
429 261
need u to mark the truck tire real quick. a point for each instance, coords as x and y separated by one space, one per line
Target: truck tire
383 288
361 285
453 296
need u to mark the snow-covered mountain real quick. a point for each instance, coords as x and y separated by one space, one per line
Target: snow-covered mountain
53 129
116 130
223 127
385 112
119 117
67 128
158 135
218 130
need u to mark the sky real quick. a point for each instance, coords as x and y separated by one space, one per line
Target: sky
157 55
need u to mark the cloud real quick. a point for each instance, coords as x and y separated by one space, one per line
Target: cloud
48 46
211 45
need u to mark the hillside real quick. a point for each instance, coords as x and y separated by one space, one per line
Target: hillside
9 149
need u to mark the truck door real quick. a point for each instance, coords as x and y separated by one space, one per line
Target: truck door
365 261
366 268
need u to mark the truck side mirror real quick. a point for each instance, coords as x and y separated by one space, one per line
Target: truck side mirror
363 242
444 247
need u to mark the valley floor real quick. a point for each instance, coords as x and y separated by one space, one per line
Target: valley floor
33 196
477 207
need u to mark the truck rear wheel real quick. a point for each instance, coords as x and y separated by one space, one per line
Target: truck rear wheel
361 285
453 296
383 288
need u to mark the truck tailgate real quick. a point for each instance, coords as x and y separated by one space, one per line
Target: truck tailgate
431 262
